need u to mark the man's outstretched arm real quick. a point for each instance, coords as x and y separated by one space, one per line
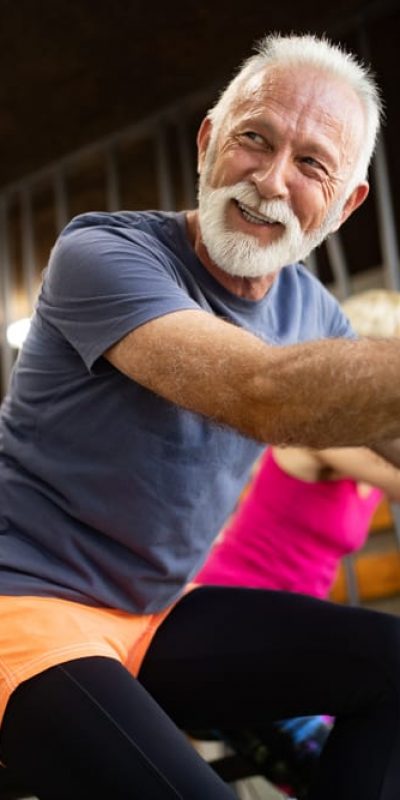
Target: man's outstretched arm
329 393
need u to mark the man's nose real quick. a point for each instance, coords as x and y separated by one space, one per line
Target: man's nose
271 178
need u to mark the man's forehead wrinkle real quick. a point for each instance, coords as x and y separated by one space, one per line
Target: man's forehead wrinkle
302 79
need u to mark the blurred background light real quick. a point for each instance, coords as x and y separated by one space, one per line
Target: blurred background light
17 332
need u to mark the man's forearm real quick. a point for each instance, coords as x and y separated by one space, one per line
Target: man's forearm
335 393
330 393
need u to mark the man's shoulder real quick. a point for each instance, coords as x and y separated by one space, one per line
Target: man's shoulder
154 235
149 222
302 298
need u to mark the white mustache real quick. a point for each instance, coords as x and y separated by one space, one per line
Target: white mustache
277 210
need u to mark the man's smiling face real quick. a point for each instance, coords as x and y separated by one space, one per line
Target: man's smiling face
273 179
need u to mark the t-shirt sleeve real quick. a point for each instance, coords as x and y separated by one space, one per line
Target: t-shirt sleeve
103 282
332 320
340 326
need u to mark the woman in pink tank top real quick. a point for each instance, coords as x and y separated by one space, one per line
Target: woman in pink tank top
303 512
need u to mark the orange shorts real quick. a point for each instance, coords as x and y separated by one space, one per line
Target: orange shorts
39 632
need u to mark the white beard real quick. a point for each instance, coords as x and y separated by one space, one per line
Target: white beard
240 254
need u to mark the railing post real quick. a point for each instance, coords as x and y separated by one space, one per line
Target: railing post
337 260
384 204
387 227
164 177
187 166
28 245
5 281
112 177
61 199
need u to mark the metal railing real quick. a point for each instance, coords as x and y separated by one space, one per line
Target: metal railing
56 175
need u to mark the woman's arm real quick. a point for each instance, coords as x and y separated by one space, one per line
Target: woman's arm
364 465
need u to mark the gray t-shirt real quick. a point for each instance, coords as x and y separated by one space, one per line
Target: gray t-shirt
110 495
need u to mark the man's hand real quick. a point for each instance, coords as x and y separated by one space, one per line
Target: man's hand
390 451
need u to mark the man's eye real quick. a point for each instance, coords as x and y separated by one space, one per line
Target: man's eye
255 137
312 162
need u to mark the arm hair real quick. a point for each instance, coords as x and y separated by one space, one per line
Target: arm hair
329 393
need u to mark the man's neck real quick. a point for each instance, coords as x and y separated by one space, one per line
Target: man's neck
248 288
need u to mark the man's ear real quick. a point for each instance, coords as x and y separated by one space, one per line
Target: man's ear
357 197
203 138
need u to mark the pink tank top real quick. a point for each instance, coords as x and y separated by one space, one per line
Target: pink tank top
290 534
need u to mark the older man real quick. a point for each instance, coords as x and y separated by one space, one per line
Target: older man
149 382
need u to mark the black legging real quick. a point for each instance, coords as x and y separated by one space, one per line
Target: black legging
223 658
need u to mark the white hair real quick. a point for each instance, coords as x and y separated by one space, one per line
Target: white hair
308 50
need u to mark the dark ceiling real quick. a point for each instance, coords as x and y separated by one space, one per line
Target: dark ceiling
73 71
